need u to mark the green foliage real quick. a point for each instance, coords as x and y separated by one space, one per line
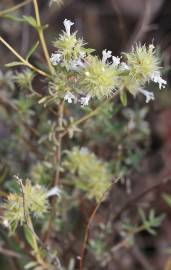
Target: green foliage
88 173
31 200
149 223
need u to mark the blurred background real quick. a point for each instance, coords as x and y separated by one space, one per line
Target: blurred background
115 25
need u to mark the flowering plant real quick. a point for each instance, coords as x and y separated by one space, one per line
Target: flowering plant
89 83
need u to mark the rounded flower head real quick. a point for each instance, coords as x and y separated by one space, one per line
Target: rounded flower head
68 45
98 78
88 173
143 62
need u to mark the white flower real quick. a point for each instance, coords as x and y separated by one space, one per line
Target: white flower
116 61
55 58
6 223
76 64
85 100
68 24
149 95
106 55
84 151
54 191
69 97
124 66
155 77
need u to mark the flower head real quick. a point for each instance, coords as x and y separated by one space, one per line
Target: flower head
98 79
88 173
143 62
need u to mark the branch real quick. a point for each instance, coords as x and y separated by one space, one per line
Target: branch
86 236
25 62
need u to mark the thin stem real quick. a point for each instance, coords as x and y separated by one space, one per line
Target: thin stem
57 173
35 243
58 148
9 10
25 62
86 235
41 36
30 226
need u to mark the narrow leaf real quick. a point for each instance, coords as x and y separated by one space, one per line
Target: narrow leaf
29 236
30 20
13 18
14 64
32 50
123 98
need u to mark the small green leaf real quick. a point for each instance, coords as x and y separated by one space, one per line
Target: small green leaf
29 236
14 64
123 98
13 18
30 20
32 50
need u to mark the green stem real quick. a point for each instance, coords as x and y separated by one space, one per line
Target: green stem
39 258
41 36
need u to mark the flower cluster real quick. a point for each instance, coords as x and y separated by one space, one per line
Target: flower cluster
31 200
89 174
85 76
